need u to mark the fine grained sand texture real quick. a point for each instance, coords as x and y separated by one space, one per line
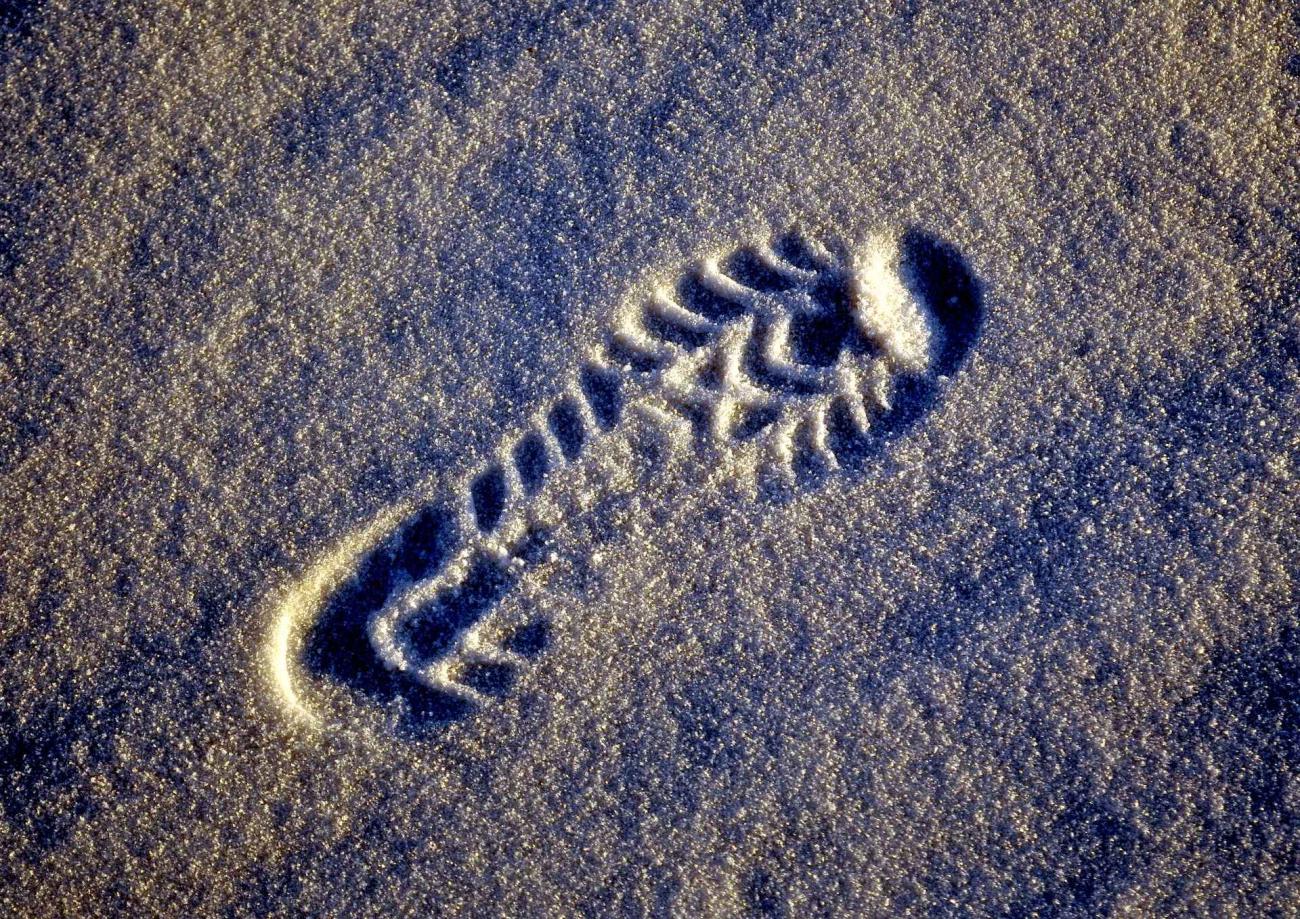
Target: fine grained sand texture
951 574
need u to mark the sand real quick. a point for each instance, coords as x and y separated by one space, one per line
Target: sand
281 285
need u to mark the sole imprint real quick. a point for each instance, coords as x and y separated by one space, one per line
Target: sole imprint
784 361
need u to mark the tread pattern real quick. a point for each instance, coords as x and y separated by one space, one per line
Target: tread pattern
790 347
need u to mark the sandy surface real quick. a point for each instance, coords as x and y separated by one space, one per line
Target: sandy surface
275 279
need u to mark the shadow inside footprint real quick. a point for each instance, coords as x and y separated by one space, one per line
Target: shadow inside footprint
337 646
939 276
433 630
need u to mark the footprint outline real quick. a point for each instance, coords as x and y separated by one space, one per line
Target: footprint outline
654 342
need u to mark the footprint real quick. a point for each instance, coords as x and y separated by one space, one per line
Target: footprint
787 360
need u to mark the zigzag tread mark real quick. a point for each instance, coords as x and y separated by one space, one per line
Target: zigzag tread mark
714 308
